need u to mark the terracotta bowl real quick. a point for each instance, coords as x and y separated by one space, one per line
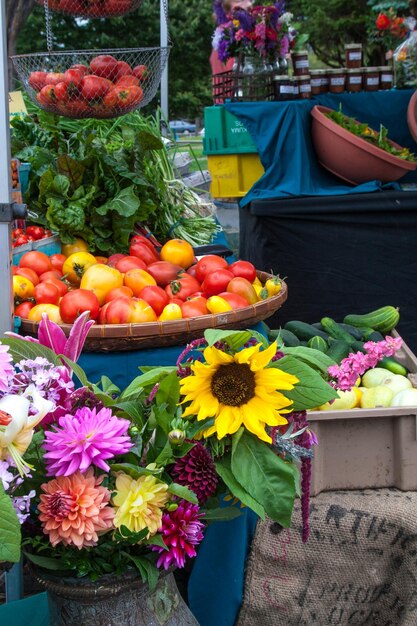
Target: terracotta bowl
352 158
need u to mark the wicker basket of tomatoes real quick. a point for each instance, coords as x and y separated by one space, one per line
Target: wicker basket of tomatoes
92 8
148 298
84 84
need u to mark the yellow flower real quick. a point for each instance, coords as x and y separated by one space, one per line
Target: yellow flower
238 390
139 503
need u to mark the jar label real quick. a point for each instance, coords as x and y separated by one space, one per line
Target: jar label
354 56
301 63
337 81
286 89
296 91
386 78
305 88
372 81
316 82
355 80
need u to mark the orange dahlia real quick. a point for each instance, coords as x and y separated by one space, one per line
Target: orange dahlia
74 510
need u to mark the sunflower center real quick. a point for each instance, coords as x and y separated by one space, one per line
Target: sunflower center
233 384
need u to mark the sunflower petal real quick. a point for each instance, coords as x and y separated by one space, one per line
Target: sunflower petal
214 356
261 360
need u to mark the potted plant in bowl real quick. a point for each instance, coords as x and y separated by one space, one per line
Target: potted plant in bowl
125 481
355 152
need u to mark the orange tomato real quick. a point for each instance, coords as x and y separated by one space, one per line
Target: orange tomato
37 261
118 292
100 279
177 251
137 280
27 273
57 261
52 311
102 259
141 311
243 288
78 245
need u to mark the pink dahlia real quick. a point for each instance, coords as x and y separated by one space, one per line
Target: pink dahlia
86 438
182 532
74 510
197 471
6 367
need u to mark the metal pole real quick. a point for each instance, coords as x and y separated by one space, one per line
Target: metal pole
163 12
6 300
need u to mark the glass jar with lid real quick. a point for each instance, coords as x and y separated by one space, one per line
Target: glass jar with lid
354 80
337 80
304 86
353 55
370 78
386 77
300 62
315 81
283 88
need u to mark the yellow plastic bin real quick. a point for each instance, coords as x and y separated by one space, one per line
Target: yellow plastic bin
233 174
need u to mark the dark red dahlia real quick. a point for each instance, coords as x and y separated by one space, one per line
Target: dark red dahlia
196 470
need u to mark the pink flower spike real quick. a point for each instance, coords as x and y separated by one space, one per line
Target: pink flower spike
77 336
51 335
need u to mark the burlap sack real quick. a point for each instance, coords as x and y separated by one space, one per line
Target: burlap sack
359 567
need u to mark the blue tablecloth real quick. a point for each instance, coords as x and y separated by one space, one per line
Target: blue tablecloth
281 132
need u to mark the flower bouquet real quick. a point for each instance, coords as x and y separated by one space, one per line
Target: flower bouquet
124 482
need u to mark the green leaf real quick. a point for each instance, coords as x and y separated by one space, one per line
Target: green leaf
147 379
108 386
72 169
10 535
134 471
125 203
22 349
149 573
47 562
78 371
155 540
183 492
269 479
199 426
224 470
311 356
235 338
169 392
223 514
165 455
311 391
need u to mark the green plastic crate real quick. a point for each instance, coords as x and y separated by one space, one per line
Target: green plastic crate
225 134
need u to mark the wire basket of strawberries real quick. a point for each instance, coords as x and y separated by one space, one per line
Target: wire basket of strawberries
92 8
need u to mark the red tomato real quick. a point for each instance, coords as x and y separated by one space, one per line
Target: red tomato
114 258
37 261
46 293
20 240
183 287
208 264
104 65
129 263
128 81
60 284
194 307
243 288
22 309
95 87
123 98
76 302
117 311
143 252
37 80
76 108
16 232
176 301
192 270
57 261
118 292
123 69
156 297
117 7
145 241
102 315
141 71
74 79
234 299
61 92
47 96
215 282
28 273
245 269
81 68
53 78
50 274
36 232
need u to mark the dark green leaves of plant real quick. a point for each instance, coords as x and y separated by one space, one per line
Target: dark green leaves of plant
313 392
9 529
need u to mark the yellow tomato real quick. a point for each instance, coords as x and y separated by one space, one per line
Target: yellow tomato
52 311
217 304
76 264
257 282
141 311
171 311
273 286
23 288
101 279
261 292
178 252
78 245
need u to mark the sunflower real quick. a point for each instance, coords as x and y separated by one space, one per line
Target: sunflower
238 390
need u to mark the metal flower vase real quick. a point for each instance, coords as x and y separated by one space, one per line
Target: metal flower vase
114 601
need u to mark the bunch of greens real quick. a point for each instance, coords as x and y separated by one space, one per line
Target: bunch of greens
96 179
379 139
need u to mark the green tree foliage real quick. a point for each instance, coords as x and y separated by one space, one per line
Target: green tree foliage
190 26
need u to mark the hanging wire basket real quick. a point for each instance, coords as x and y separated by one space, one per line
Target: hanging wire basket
92 83
92 8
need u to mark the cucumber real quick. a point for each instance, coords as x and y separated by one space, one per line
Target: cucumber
393 366
358 332
384 319
318 343
290 340
336 331
304 331
357 346
317 325
338 350
373 335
